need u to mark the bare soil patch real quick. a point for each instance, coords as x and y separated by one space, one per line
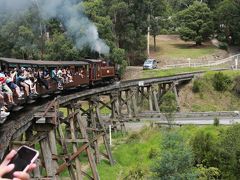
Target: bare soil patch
133 72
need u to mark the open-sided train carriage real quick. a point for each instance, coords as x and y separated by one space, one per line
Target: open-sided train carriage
79 71
87 72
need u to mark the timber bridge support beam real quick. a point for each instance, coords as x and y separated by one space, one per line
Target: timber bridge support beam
68 130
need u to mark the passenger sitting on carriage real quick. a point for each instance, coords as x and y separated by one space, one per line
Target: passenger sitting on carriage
10 82
60 77
20 81
46 77
54 75
81 73
42 77
6 89
69 75
64 75
30 81
3 113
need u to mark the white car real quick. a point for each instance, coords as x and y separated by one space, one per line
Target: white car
150 64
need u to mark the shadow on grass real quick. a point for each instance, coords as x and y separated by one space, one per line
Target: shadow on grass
157 48
192 46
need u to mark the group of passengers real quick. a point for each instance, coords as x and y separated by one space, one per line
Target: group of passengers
24 81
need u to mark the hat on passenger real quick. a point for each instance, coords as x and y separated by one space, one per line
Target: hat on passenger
2 77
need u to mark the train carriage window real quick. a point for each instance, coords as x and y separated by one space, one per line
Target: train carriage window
12 65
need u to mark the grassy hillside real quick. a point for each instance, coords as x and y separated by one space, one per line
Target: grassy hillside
208 99
130 153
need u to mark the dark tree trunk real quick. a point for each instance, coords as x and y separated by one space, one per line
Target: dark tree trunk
155 44
199 43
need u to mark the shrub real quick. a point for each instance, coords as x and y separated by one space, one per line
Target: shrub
138 172
204 148
133 138
223 46
208 173
197 85
176 161
230 153
169 106
221 82
236 87
153 153
216 121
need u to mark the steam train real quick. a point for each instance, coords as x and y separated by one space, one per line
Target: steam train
86 72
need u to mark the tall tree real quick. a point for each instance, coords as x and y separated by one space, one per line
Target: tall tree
196 23
129 26
230 153
179 5
227 20
158 15
106 23
21 34
59 47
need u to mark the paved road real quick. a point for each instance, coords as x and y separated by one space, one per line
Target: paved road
137 126
200 120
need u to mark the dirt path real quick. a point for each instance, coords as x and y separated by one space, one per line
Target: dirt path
133 72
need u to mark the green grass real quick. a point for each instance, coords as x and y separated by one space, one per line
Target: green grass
105 111
190 131
169 72
208 99
131 153
232 74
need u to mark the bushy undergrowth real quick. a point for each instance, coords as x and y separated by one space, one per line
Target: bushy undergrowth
133 156
197 86
216 121
221 81
236 87
189 152
176 159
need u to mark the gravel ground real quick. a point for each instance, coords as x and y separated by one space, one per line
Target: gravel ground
136 126
133 72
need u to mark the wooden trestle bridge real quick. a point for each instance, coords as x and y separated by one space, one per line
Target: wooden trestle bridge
62 139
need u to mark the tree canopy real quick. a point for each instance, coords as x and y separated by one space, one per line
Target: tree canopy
122 25
196 23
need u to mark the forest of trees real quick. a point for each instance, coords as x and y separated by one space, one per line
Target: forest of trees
122 25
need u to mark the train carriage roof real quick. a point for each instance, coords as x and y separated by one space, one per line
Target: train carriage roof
92 60
42 63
